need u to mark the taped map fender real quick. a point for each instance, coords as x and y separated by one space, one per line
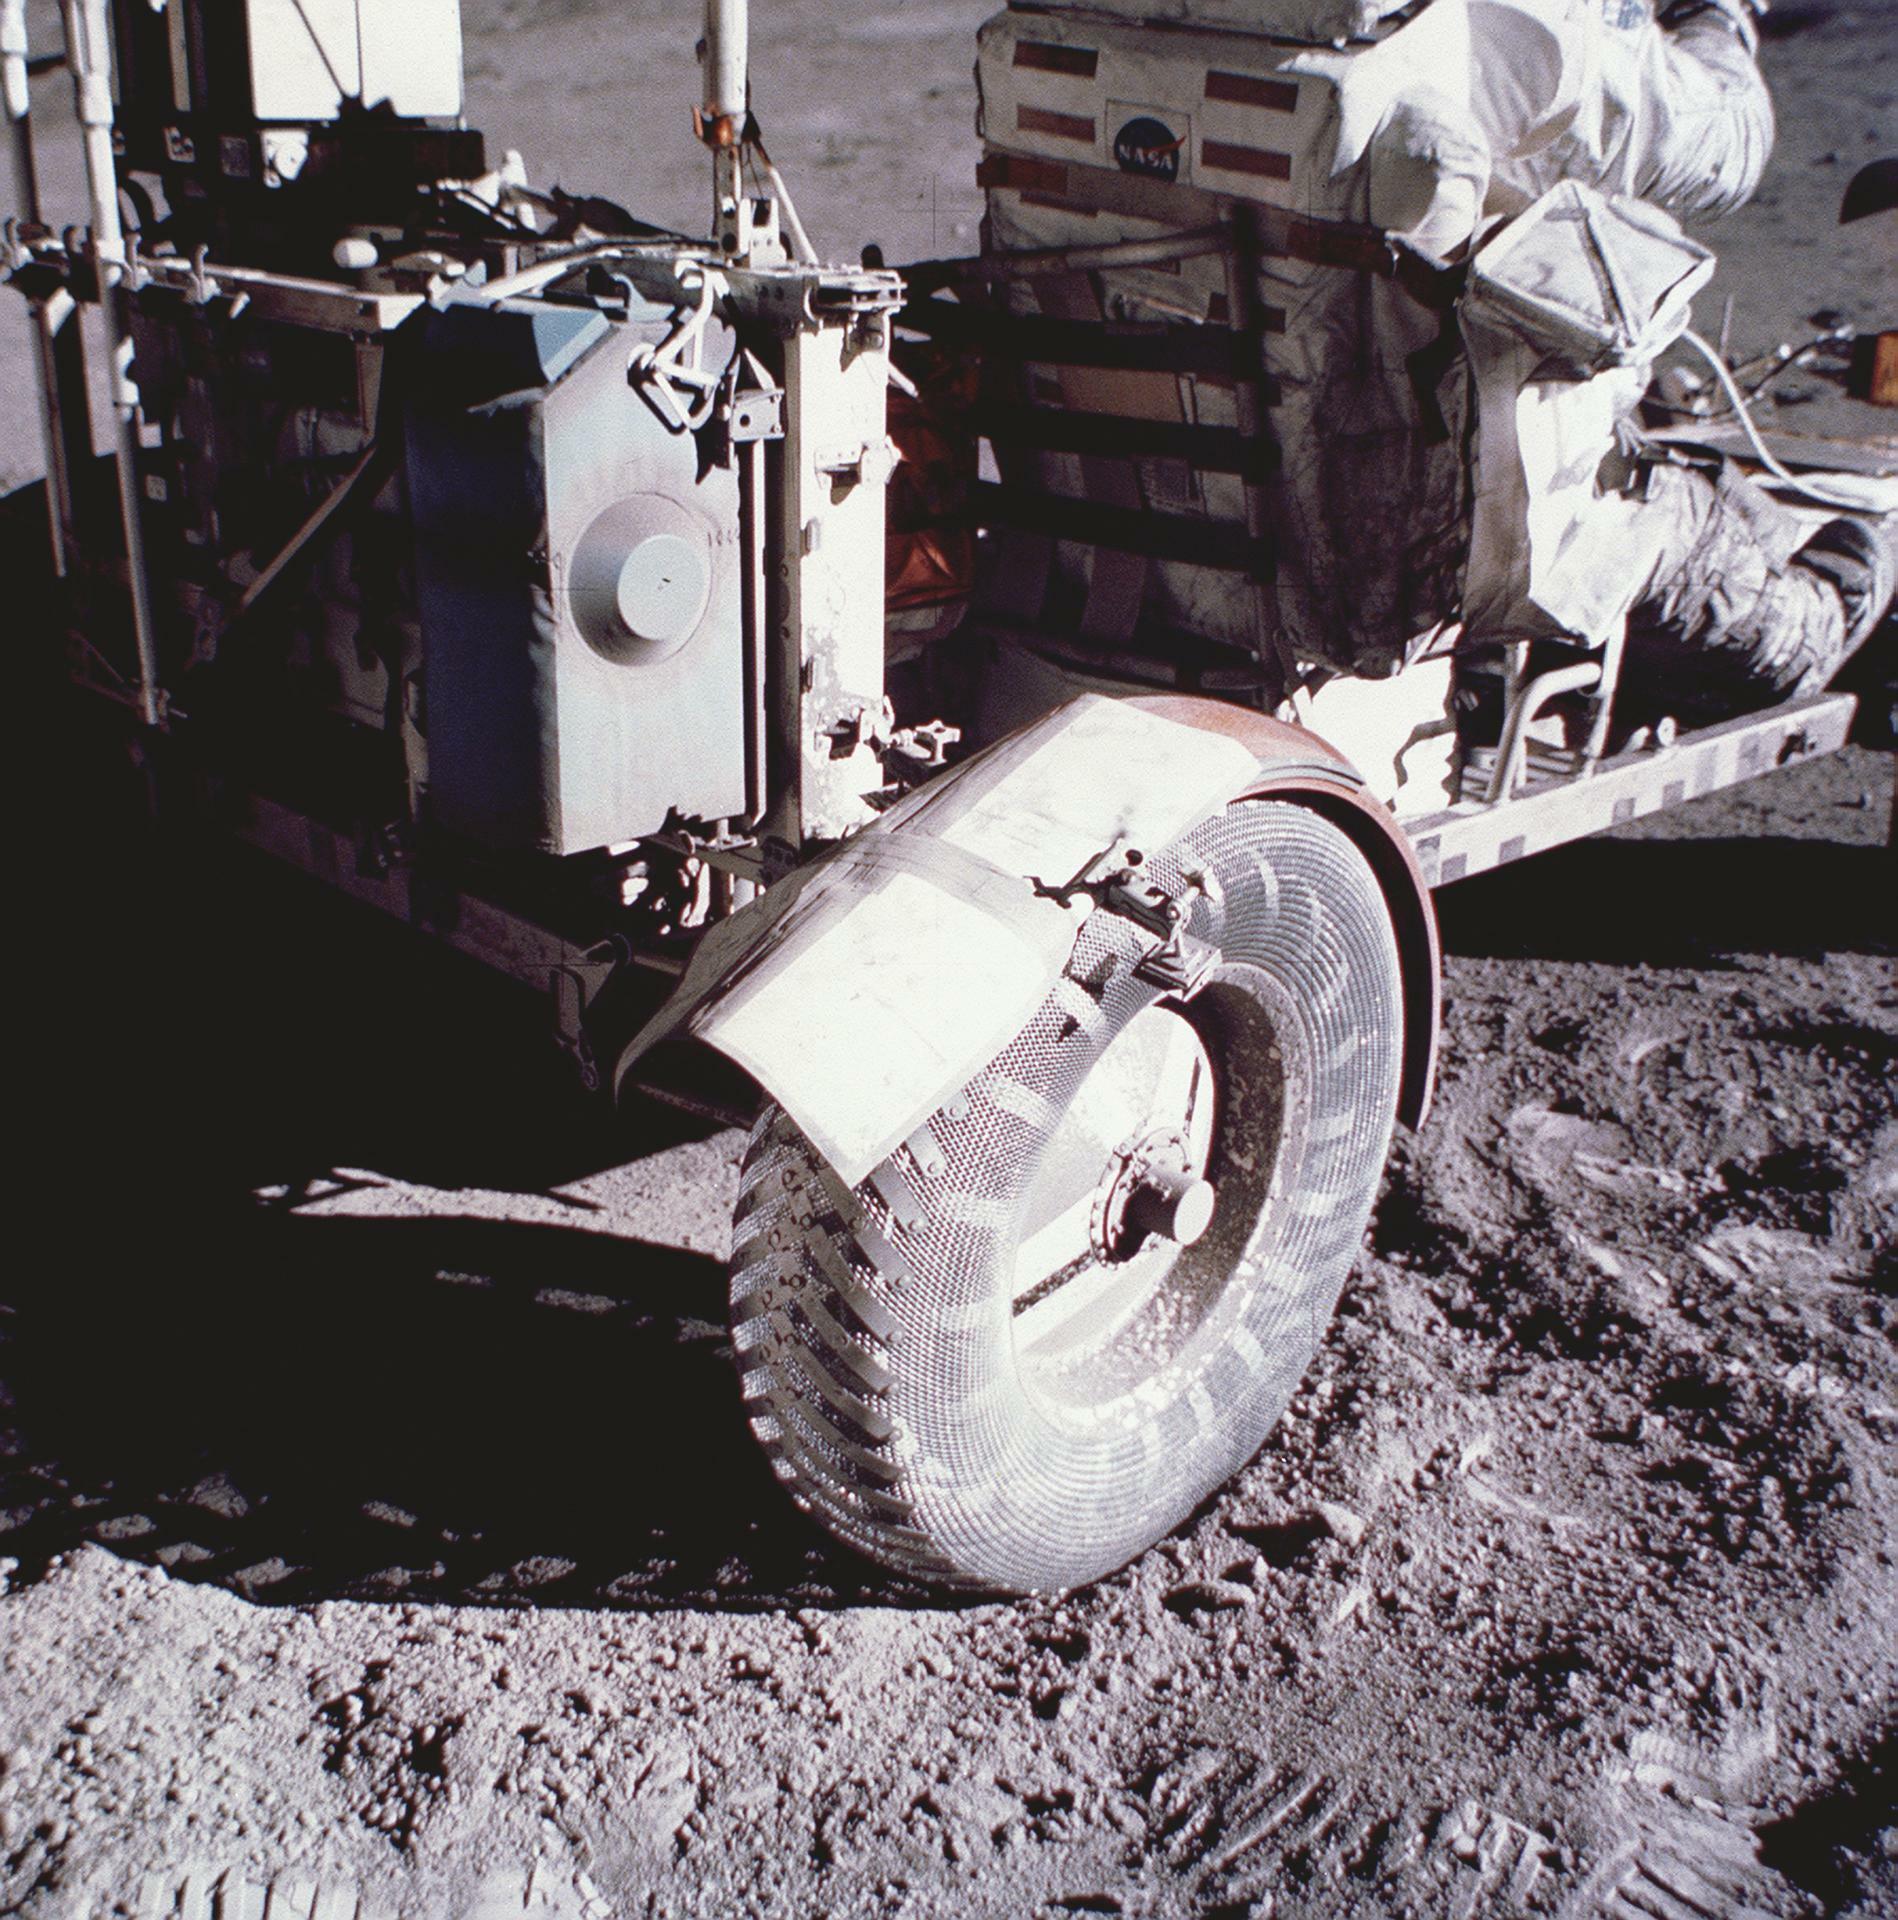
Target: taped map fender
867 989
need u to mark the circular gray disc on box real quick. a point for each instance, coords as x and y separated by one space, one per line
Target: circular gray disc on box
641 579
663 583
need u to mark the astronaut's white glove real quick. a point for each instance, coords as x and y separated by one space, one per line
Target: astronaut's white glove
1741 18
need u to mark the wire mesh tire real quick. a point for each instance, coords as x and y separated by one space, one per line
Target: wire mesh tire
975 1367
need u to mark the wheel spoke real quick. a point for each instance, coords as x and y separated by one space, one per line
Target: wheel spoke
1150 1083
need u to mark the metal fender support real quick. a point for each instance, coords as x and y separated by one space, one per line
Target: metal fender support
867 989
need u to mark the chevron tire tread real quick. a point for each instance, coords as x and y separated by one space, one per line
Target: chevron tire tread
873 1329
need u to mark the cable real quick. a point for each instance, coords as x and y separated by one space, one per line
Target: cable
1875 495
801 249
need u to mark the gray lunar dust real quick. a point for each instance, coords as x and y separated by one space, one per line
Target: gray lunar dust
381 1520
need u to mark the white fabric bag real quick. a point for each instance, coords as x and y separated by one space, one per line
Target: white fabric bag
1595 281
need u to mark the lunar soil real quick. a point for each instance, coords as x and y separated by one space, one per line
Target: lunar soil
382 1532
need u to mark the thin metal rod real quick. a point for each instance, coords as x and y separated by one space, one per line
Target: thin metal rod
87 41
1523 709
723 54
727 61
1190 244
753 594
13 52
326 510
801 249
58 349
1242 258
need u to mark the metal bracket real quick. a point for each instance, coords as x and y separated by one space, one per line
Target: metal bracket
382 847
859 727
924 747
573 991
660 371
733 853
1180 964
869 462
756 414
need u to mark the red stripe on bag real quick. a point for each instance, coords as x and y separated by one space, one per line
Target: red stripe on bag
1249 90
1227 158
1062 126
1048 58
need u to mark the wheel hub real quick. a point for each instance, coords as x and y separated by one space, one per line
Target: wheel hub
1121 1192
1150 1189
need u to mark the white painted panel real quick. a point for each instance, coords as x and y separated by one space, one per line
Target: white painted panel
308 56
411 56
304 58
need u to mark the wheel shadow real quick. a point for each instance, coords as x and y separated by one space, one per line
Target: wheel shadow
1677 902
299 1404
451 1410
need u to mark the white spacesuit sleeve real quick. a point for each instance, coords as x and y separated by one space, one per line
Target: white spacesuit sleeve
1709 126
1597 91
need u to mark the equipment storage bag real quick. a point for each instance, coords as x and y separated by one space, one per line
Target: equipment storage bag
1253 439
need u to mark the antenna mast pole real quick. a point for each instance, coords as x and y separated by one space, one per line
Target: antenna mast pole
725 59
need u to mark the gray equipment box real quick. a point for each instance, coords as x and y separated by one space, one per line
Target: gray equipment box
579 582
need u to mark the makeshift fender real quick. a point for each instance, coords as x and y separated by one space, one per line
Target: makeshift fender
866 989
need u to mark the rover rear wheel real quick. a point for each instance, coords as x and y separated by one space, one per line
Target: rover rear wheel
1074 1303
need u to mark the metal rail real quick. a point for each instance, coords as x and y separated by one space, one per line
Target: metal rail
1527 703
1476 835
570 972
1468 838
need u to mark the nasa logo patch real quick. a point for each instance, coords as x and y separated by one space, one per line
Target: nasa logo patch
1150 146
